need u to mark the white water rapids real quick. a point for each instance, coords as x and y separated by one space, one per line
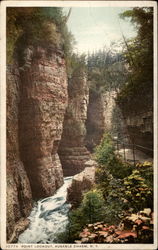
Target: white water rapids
48 218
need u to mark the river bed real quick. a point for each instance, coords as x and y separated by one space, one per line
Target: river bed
48 218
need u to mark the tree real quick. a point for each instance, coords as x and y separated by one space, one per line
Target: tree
139 54
109 162
37 26
93 206
76 63
90 210
137 192
106 70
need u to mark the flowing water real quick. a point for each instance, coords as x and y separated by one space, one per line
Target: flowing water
48 218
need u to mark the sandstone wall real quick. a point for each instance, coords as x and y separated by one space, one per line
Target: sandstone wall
108 99
42 108
81 183
72 150
36 103
104 116
19 197
138 118
95 123
140 131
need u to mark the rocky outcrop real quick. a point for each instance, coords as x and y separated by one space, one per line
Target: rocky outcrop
140 130
36 103
42 107
95 119
108 107
19 197
81 183
138 118
72 150
130 120
20 226
102 117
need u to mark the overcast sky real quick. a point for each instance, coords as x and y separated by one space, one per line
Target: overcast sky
96 27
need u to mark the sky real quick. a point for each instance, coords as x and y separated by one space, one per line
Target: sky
96 27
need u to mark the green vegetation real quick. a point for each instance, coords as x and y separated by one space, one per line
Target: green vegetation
121 189
76 63
136 228
36 26
123 185
137 192
146 171
139 56
108 161
90 210
106 70
110 176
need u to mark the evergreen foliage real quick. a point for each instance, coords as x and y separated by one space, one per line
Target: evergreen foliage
120 187
90 210
106 70
146 171
76 63
125 187
115 203
139 55
36 26
107 159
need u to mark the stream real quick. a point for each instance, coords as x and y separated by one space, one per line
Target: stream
48 218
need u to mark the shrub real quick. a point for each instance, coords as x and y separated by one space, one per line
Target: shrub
134 228
92 206
124 187
107 159
146 171
137 192
91 210
115 203
36 26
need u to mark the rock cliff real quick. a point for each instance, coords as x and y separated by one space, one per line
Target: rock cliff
103 117
38 94
140 130
81 183
138 118
36 103
95 123
72 150
42 106
19 197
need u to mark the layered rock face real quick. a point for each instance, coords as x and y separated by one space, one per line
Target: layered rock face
42 106
19 197
72 150
138 118
140 131
81 183
100 116
36 103
104 115
108 99
95 123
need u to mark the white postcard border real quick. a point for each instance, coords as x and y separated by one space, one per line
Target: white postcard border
19 3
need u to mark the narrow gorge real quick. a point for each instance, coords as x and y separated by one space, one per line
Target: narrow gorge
46 115
60 105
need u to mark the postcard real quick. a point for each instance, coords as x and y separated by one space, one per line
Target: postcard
78 125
